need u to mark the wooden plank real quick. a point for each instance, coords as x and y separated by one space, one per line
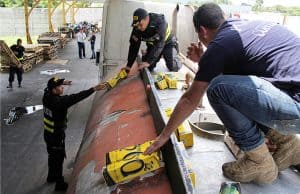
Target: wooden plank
7 53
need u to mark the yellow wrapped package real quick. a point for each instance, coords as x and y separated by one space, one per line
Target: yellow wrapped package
171 81
131 168
184 132
113 81
126 153
160 81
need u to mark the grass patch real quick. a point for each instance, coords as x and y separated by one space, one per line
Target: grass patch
10 40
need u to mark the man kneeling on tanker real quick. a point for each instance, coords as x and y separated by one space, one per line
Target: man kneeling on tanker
251 73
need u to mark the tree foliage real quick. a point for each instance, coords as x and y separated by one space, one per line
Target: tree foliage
258 5
291 11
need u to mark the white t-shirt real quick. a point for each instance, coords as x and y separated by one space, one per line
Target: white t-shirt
81 37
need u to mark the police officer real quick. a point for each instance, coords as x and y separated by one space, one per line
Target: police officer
18 50
55 123
156 32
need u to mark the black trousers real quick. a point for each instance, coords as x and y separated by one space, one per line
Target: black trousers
81 49
56 155
12 72
170 54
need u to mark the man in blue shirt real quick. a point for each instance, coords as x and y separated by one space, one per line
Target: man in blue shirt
251 72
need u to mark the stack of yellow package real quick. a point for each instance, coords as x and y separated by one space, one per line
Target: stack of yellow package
163 81
171 81
128 163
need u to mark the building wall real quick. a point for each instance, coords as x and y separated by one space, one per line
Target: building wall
92 15
12 20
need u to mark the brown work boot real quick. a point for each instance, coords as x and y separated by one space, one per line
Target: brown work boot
288 149
256 165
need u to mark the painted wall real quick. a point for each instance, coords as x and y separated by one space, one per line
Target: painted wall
12 20
92 15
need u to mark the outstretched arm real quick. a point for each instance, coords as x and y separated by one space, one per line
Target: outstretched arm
186 105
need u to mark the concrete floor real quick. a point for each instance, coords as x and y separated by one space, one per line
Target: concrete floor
23 151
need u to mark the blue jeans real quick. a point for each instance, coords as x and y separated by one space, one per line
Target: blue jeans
244 103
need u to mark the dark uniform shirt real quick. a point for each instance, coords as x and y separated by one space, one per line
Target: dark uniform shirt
264 49
18 50
93 39
55 110
157 34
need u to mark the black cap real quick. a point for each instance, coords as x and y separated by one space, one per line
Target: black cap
54 82
138 15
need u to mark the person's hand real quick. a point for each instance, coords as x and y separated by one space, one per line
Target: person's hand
195 52
67 82
101 86
134 69
143 65
126 68
158 143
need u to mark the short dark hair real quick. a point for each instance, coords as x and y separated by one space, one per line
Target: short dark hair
208 15
19 40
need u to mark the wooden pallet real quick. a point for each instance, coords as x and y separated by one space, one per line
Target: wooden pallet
49 51
56 41
31 61
4 69
8 55
39 59
29 55
27 67
5 61
51 34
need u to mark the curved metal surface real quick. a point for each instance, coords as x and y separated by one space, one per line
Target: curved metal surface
120 117
209 130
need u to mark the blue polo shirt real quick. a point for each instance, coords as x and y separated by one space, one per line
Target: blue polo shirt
264 49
